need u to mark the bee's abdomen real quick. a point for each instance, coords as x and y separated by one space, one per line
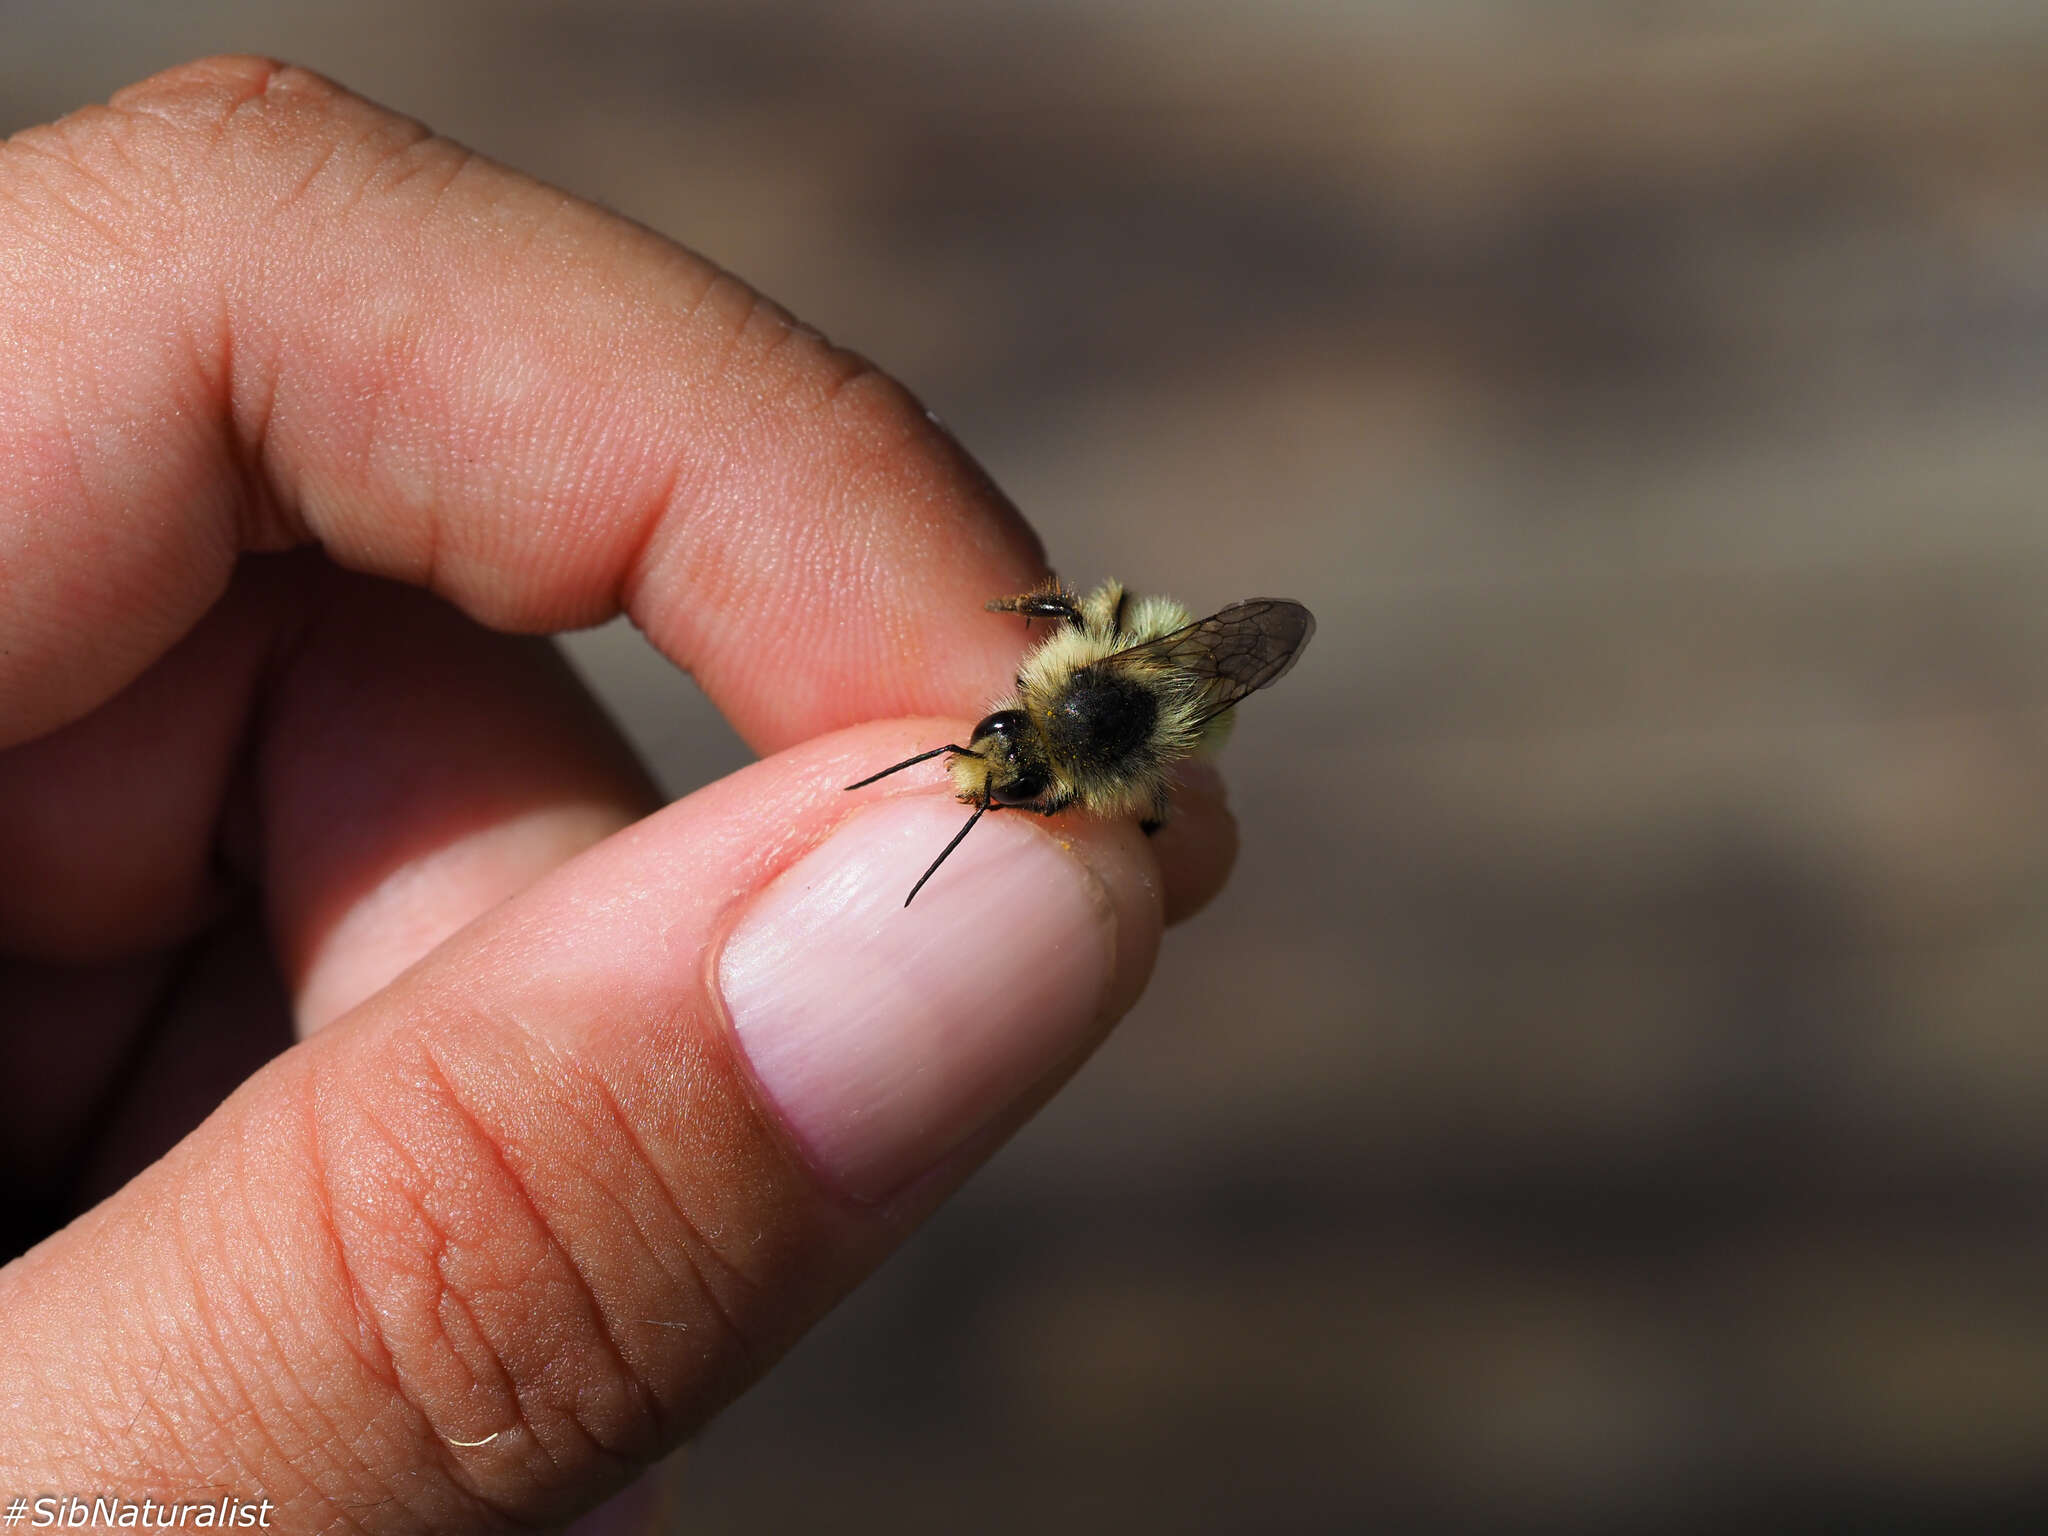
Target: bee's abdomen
1101 720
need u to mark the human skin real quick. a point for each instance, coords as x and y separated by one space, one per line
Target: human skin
595 1105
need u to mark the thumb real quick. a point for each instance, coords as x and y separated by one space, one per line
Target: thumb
532 1213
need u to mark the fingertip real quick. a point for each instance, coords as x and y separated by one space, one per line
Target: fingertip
886 1038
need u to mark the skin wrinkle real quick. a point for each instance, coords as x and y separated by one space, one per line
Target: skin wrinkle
260 80
26 232
400 152
263 522
344 130
898 410
668 567
269 516
555 1254
382 1370
164 211
692 1275
700 1256
118 131
331 1440
259 1419
428 572
342 1453
697 1248
662 511
783 329
29 144
385 1371
89 1421
29 232
455 1474
289 200
252 1422
839 366
257 1415
395 167
214 1419
340 124
739 304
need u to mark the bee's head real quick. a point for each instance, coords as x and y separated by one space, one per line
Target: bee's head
1008 767
1005 765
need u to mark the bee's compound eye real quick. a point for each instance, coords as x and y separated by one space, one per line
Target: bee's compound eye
1006 723
1024 789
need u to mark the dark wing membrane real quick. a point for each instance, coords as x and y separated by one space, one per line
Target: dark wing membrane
1229 654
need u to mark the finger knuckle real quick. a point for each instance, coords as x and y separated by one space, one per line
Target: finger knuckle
798 371
185 157
235 138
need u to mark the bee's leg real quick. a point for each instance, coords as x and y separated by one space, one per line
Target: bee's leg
1162 807
1052 602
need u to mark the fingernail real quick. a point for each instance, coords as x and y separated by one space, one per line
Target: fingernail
885 1036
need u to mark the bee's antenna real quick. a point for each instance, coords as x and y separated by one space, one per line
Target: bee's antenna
957 836
909 761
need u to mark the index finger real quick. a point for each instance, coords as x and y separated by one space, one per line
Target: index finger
245 309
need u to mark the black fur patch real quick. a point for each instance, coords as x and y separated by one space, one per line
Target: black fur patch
1101 719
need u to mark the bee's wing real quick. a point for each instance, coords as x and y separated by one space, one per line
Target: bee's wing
1229 654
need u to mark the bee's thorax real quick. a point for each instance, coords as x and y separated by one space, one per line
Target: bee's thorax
1100 718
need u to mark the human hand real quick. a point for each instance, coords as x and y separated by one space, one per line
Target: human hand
596 1106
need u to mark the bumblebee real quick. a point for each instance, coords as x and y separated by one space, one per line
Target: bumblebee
1120 691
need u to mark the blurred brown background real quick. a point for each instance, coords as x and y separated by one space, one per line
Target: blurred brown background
1613 1093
